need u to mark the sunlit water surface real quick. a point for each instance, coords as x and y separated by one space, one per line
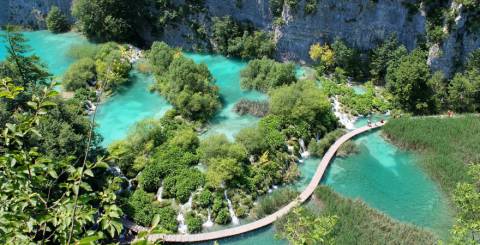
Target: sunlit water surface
382 175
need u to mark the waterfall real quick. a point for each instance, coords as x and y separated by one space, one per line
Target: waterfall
184 208
159 194
209 222
344 118
182 227
303 150
235 220
117 172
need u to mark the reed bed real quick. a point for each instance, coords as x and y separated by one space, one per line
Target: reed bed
446 145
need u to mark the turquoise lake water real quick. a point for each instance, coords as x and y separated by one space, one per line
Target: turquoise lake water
382 175
52 49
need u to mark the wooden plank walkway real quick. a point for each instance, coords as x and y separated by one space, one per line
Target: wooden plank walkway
322 167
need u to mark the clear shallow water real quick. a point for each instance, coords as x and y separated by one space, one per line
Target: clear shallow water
51 48
130 105
382 175
227 77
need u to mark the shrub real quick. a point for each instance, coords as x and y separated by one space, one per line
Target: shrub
273 202
194 222
79 75
204 199
265 74
56 21
223 217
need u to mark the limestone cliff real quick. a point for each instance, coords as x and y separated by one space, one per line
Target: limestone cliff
361 23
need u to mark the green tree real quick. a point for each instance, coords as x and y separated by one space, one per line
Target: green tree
56 21
223 171
265 74
48 201
408 79
303 108
79 75
464 91
386 54
218 146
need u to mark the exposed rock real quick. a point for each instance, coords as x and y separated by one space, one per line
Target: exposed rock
30 12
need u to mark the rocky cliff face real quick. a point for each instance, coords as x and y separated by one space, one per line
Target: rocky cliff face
29 12
361 23
456 47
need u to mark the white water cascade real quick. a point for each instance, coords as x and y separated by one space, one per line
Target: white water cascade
345 119
303 149
234 218
117 172
209 222
159 194
184 208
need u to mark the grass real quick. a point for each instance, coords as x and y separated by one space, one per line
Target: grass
360 224
447 145
271 203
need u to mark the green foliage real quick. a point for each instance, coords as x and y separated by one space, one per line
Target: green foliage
265 74
54 197
303 108
114 20
182 183
194 223
142 208
310 7
203 199
318 148
237 39
223 172
447 145
274 201
408 82
79 75
386 54
373 100
186 85
79 51
467 198
218 146
56 21
265 137
359 224
223 217
464 91
348 59
303 226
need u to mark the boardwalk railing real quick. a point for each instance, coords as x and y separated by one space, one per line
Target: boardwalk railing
322 167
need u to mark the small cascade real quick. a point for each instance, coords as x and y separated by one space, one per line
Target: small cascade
344 118
159 194
90 107
184 208
209 222
234 218
303 149
182 227
117 172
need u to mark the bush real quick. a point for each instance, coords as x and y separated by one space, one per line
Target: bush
79 51
188 87
218 146
56 21
182 183
204 199
194 223
141 206
240 39
79 75
223 217
273 202
318 148
265 74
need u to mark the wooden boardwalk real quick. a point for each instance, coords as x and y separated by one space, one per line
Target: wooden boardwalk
322 167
